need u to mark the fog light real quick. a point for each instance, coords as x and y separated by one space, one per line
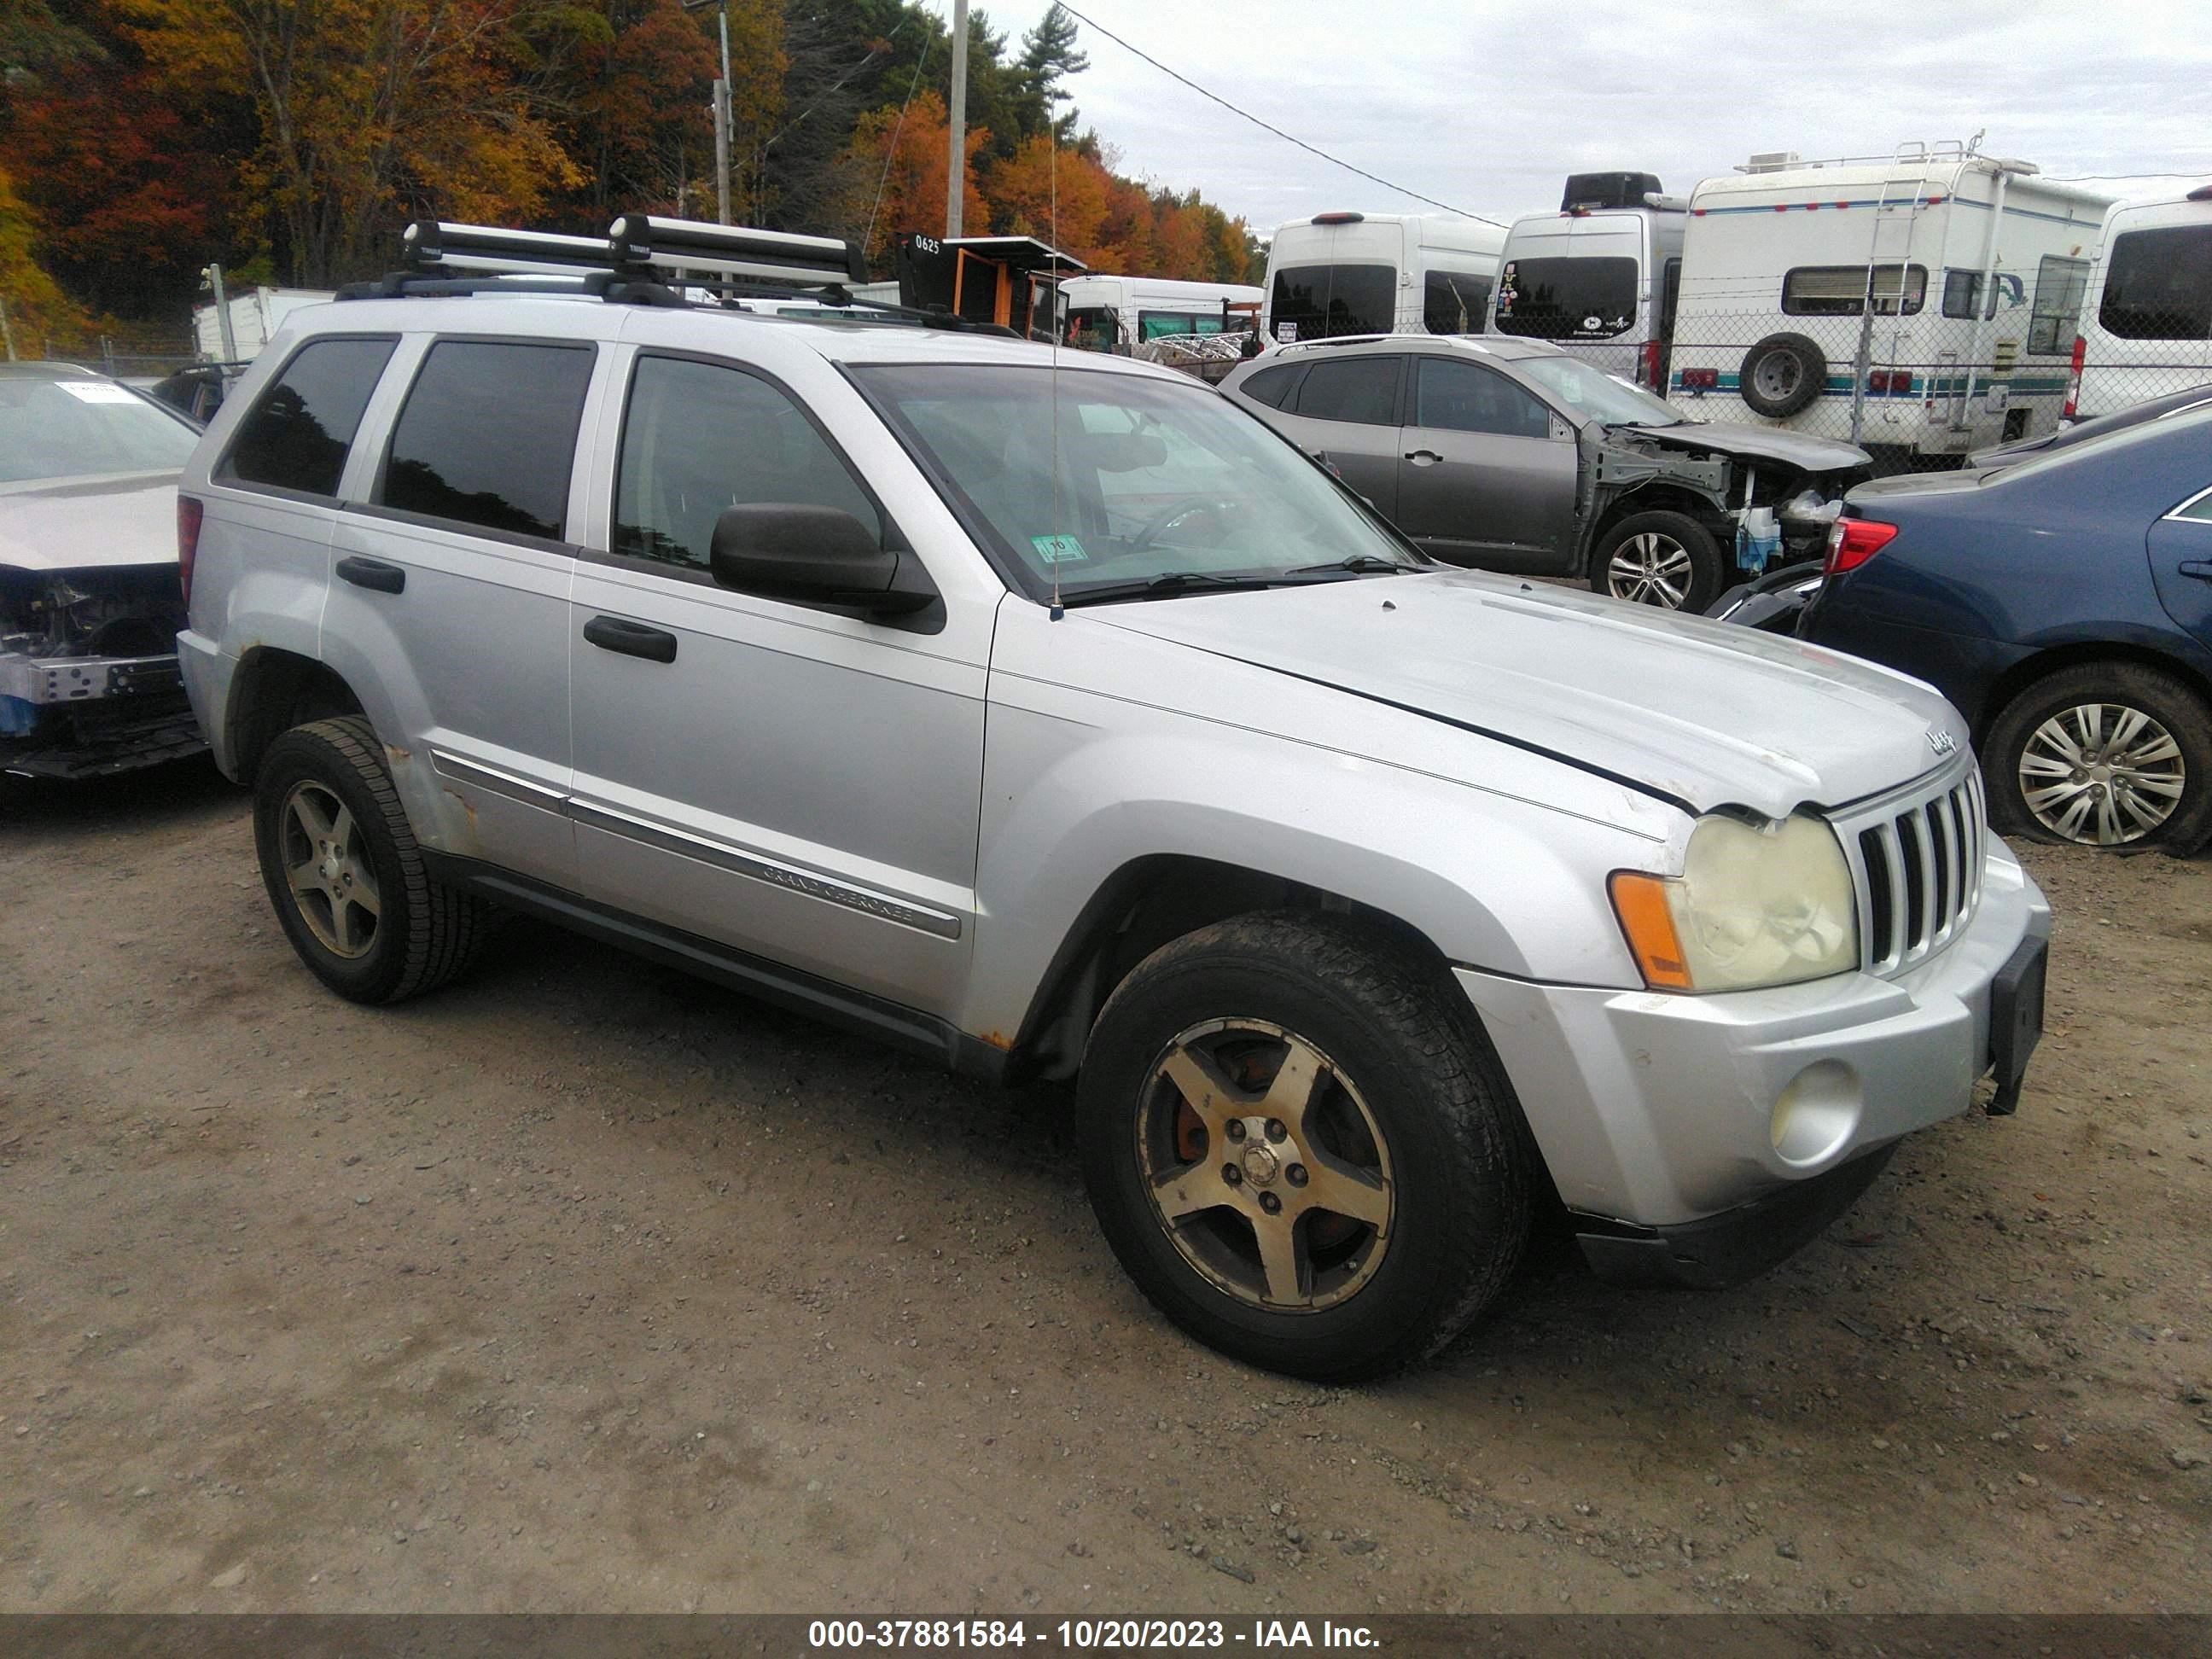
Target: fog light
1816 1113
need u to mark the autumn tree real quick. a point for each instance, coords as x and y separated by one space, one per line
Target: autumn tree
371 112
893 175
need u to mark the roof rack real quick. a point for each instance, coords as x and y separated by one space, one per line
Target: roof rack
644 258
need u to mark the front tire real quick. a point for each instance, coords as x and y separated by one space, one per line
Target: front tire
2109 754
344 873
1300 1150
1664 559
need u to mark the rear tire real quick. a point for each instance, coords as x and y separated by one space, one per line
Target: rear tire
344 873
1320 1060
2150 735
1667 560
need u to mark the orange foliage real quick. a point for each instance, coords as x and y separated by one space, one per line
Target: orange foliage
892 177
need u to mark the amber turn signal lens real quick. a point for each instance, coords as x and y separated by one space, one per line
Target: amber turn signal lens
1640 902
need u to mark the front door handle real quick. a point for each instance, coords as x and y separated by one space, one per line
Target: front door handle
373 574
631 639
2198 569
1423 457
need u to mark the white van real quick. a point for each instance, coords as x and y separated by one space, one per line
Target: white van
1108 313
1600 277
1920 307
2147 328
1380 273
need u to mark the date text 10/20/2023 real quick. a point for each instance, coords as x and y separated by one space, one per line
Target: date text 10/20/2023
1085 1635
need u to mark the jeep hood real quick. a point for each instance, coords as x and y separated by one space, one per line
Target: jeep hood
1696 712
1760 443
77 523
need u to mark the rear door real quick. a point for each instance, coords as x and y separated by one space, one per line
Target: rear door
2181 564
451 592
1487 473
1344 413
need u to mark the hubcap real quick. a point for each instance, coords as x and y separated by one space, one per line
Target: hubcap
327 869
1778 375
2102 774
1651 569
1265 1166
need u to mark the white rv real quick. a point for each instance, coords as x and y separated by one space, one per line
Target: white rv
2147 327
1920 307
255 317
1380 273
1600 277
1109 313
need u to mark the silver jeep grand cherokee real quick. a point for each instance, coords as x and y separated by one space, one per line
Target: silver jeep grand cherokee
1061 720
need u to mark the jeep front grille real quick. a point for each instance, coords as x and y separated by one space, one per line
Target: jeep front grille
1916 861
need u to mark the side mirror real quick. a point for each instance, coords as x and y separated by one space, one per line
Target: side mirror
813 555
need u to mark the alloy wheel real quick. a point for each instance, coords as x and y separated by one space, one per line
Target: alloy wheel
327 870
1265 1167
2101 773
1651 569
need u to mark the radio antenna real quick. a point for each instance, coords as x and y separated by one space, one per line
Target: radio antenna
1052 277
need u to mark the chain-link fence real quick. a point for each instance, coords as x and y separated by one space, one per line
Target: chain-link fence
1918 388
126 359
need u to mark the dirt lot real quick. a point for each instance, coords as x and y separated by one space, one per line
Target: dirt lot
583 1286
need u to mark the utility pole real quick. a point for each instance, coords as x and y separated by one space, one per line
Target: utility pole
722 108
956 170
214 275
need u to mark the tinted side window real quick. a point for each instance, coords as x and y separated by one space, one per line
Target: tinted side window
487 436
1271 385
2057 316
1364 389
1320 301
297 436
1454 301
700 437
2157 284
1464 398
1841 290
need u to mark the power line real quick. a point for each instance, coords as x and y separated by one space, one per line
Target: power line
1268 125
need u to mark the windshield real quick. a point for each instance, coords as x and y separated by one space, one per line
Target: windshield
1320 302
1153 479
1567 298
70 428
1596 395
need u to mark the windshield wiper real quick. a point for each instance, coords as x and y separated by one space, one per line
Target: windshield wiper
1155 587
1359 564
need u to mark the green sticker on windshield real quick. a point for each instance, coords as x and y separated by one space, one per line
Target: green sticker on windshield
1059 549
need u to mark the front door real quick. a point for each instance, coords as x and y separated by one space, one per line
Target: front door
1487 473
798 784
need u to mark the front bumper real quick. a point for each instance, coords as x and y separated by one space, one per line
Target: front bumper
1656 1111
83 717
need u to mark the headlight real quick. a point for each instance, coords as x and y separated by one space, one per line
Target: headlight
1754 906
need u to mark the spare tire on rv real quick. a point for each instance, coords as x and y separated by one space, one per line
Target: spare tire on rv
1781 374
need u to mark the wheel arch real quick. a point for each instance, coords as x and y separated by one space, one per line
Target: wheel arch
2054 658
274 690
1146 903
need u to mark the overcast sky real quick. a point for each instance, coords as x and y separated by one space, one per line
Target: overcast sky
1488 105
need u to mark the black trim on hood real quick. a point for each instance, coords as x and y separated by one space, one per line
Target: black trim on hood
1505 738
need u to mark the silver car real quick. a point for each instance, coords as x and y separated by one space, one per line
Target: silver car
90 601
1513 455
1052 717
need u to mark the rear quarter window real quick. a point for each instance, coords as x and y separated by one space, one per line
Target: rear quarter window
298 436
1272 386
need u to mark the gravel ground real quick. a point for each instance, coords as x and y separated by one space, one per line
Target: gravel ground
582 1285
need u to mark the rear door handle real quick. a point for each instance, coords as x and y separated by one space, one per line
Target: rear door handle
2198 569
373 573
1423 457
631 639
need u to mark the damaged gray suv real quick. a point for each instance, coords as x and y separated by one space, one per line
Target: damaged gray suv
1513 455
1051 716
